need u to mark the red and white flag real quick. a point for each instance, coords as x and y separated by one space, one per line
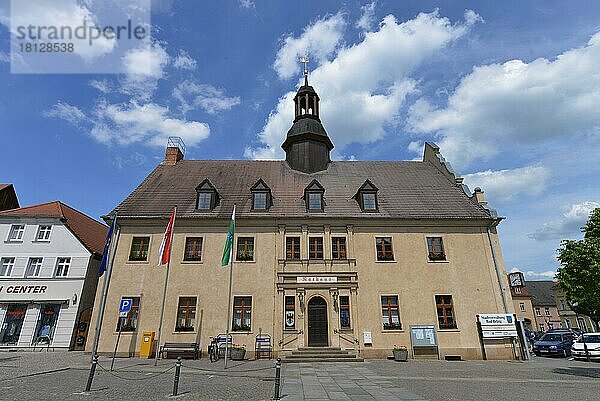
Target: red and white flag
165 247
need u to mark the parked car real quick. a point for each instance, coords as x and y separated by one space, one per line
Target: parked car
592 341
557 342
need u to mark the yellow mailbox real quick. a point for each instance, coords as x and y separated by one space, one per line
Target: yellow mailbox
147 346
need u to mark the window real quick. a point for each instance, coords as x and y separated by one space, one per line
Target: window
389 312
207 197
538 312
338 248
344 312
204 200
567 323
33 267
313 196
242 314
563 305
315 248
261 196
290 313
315 201
581 324
542 327
550 326
6 267
259 201
131 321
62 267
16 232
193 249
139 249
245 248
445 312
384 248
517 290
522 306
435 248
46 324
368 200
367 197
43 233
547 311
186 314
292 248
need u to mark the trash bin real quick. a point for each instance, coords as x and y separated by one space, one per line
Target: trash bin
147 346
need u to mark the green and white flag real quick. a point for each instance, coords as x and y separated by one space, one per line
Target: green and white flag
229 241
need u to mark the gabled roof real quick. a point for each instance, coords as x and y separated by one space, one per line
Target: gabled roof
8 197
542 292
91 233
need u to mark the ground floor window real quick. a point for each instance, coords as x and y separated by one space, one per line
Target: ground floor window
13 322
131 321
344 312
186 314
389 312
46 324
290 313
582 325
445 311
242 314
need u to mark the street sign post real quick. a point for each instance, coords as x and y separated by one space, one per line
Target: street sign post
125 306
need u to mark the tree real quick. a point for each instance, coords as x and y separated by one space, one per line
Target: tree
579 275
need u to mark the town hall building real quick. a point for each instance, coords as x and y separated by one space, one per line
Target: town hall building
357 255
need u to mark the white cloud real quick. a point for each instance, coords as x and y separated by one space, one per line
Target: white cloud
363 87
547 274
574 217
212 100
319 40
247 4
505 185
66 112
103 86
184 61
365 22
143 67
517 103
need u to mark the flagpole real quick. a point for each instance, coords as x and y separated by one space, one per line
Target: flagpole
227 347
112 252
164 297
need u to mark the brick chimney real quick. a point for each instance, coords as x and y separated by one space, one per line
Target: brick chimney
478 196
175 150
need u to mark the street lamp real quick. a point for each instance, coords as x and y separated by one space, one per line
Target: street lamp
575 305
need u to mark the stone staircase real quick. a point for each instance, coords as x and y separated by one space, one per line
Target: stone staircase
320 354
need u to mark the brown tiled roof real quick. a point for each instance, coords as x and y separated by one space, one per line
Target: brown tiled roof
407 190
90 232
542 292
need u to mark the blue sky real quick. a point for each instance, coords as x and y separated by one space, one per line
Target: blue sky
509 91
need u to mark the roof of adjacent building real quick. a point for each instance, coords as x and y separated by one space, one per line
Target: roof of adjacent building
91 233
8 197
407 190
542 292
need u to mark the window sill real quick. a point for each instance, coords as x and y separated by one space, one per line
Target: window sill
245 261
393 331
14 241
240 332
449 330
191 262
137 262
185 332
386 261
116 333
438 261
347 330
41 241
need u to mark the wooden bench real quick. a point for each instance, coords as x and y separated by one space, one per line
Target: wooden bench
263 346
173 350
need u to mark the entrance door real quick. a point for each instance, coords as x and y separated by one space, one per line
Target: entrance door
317 323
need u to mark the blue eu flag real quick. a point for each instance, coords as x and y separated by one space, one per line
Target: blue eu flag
104 261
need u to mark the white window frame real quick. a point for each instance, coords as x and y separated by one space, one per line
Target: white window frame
14 229
47 233
538 311
9 263
547 311
58 264
522 306
38 267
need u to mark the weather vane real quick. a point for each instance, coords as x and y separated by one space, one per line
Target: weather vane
304 59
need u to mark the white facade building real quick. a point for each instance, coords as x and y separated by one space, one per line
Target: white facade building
49 258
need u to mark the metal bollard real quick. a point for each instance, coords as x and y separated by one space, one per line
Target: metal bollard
277 378
177 371
88 386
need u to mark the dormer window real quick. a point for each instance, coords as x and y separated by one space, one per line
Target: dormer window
207 196
367 197
313 196
261 196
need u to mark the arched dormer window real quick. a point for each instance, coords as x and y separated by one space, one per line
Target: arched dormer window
261 196
313 197
207 197
367 197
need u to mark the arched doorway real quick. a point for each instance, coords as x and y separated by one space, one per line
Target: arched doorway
317 323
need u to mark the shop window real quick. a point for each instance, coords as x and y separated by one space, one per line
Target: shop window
384 248
139 249
390 312
130 322
33 267
245 249
43 233
315 248
445 312
435 247
16 232
46 324
62 267
292 248
290 313
13 322
193 249
344 312
6 266
242 314
338 248
186 314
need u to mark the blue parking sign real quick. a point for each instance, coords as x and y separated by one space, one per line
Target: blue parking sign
125 306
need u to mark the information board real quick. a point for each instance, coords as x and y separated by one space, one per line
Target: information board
423 336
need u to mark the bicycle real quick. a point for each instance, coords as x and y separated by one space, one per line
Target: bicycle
213 349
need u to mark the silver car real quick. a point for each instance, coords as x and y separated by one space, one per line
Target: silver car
592 341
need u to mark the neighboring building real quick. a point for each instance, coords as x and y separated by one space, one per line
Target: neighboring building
49 258
8 197
346 254
522 303
544 304
568 318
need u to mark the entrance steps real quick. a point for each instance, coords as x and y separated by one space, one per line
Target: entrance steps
320 354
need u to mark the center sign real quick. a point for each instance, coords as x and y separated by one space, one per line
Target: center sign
315 279
494 325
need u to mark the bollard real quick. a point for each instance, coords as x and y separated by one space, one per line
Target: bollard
277 378
88 386
176 381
